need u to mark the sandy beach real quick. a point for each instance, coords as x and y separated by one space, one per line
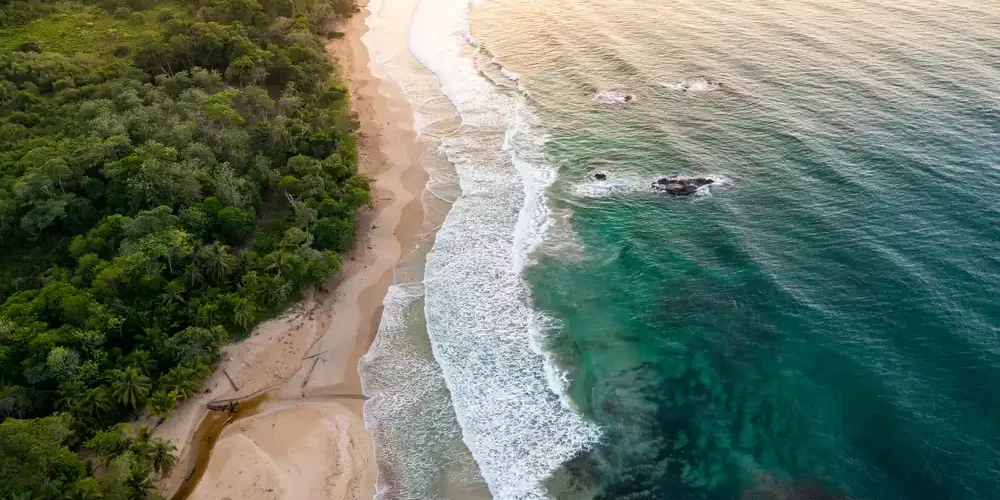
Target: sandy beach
306 437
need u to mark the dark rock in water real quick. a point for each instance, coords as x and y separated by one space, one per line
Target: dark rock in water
608 405
681 187
600 176
697 84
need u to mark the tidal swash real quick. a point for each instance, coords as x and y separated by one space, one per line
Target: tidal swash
824 322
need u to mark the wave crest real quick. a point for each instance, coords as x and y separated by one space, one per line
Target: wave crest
478 318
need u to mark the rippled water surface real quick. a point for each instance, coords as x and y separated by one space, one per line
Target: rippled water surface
821 322
829 319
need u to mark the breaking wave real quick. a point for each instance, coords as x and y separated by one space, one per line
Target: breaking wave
477 313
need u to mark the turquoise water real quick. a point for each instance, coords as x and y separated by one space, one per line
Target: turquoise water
828 320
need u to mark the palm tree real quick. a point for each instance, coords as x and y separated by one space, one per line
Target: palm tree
280 262
142 446
207 315
276 291
95 403
153 339
143 435
140 482
130 387
243 312
173 293
192 273
141 359
162 403
182 380
219 260
163 457
245 262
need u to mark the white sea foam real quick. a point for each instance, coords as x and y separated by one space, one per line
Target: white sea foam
509 74
409 411
594 188
695 85
477 312
614 184
613 97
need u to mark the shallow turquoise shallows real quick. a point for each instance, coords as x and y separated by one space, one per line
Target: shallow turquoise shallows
825 319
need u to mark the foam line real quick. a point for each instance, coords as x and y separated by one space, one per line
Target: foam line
477 311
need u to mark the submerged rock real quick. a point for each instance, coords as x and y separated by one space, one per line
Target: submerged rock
601 176
681 186
696 84
808 488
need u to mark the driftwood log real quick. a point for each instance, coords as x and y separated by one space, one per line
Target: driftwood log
230 406
230 380
309 374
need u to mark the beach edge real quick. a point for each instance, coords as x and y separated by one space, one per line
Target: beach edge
338 325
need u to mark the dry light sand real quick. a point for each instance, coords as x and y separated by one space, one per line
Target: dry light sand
307 439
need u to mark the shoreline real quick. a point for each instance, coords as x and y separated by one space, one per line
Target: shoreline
307 438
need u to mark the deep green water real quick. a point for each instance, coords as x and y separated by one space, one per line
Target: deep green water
830 320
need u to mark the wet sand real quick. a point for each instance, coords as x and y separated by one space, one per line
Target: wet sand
307 438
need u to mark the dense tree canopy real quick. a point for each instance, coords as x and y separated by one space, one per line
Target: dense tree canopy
165 185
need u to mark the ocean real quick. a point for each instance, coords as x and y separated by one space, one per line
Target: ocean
822 321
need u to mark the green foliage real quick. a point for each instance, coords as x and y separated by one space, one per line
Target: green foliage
235 225
162 402
131 454
34 458
130 387
334 233
74 28
170 175
162 456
